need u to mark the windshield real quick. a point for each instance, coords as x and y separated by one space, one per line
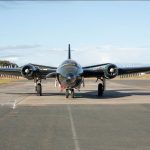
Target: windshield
69 67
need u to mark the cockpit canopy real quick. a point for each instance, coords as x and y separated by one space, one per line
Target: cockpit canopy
69 67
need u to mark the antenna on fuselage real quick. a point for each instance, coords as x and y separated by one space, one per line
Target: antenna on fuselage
69 52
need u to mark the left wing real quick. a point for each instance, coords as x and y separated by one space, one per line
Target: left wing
129 70
110 71
44 67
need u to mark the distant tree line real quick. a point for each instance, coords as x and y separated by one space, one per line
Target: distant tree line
6 63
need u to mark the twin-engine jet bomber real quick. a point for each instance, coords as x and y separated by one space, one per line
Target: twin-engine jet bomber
70 75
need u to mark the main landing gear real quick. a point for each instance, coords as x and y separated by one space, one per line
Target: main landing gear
69 92
101 87
38 87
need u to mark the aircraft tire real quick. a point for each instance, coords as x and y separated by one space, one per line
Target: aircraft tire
72 93
67 93
39 89
36 88
100 89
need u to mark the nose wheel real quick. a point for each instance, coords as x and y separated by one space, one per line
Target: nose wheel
69 92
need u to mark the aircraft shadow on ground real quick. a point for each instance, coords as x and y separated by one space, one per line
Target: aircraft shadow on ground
108 94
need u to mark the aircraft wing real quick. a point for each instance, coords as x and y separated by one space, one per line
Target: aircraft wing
94 66
11 71
30 71
110 71
44 67
130 70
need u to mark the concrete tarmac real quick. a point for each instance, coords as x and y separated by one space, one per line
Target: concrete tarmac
120 120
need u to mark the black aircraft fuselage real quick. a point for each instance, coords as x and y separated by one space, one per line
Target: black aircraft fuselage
69 74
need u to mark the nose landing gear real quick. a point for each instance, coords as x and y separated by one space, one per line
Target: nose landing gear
69 92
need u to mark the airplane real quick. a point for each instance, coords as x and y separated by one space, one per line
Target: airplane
70 75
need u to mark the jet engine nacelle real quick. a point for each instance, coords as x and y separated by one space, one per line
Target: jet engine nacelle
110 71
29 71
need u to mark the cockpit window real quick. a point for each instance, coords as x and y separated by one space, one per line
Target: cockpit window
70 63
69 67
69 70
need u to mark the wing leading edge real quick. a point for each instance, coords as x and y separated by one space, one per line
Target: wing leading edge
30 71
11 71
110 71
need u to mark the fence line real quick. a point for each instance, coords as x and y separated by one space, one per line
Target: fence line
2 76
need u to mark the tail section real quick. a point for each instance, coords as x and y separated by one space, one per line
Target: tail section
69 52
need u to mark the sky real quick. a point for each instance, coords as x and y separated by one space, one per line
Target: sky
99 32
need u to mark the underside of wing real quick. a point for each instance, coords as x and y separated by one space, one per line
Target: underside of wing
30 71
107 70
88 73
110 71
11 71
130 70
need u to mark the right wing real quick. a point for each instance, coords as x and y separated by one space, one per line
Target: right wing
31 71
95 70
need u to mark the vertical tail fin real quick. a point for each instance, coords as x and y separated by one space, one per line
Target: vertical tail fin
69 52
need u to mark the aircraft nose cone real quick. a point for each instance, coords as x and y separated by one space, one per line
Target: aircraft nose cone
69 78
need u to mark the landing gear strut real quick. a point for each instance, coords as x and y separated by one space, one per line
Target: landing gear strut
38 87
101 87
70 92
